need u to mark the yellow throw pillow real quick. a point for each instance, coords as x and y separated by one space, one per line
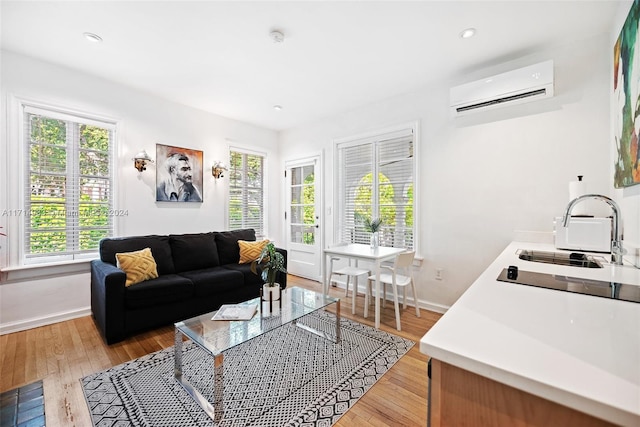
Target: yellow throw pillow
139 266
250 251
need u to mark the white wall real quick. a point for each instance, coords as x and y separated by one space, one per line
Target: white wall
143 121
487 176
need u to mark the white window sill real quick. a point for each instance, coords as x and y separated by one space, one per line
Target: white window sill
40 271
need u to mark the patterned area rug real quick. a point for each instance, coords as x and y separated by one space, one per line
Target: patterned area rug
288 377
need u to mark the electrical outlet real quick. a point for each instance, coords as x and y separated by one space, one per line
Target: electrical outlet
438 273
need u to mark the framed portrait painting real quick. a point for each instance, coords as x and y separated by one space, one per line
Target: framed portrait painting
178 174
626 89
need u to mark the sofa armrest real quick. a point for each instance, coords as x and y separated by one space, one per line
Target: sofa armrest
282 277
107 300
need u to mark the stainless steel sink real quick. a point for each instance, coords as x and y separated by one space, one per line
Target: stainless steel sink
574 259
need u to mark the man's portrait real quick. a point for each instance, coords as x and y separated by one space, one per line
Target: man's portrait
178 174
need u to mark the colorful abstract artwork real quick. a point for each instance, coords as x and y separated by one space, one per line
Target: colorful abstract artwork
626 88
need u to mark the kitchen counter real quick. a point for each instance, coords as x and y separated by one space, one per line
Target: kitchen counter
576 350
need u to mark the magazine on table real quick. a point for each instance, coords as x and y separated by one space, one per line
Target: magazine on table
235 312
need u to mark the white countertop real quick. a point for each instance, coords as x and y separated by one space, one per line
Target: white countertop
577 350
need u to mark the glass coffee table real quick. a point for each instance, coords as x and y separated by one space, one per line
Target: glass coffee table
216 336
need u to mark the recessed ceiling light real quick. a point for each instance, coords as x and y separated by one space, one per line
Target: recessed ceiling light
93 38
277 107
469 32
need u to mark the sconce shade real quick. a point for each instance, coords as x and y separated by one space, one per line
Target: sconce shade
218 168
140 160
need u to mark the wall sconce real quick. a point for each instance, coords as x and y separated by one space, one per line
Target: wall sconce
140 160
218 168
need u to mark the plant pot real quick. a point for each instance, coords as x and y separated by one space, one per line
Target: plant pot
374 240
270 293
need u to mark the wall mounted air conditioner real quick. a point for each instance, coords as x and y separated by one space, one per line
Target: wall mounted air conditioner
513 87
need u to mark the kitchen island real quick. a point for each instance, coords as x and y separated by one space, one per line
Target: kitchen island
512 354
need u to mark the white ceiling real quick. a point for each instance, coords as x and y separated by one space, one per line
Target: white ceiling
217 55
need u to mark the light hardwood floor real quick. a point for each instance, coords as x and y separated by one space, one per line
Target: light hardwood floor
62 353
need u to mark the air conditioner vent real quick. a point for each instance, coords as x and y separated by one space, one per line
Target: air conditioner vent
501 100
514 87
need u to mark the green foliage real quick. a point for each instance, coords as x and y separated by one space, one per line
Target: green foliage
47 242
94 138
372 225
48 219
395 210
54 223
364 200
268 264
245 190
49 131
309 207
408 209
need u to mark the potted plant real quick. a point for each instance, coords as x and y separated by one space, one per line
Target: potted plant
373 226
268 264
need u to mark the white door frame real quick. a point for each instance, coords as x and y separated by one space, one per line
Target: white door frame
316 157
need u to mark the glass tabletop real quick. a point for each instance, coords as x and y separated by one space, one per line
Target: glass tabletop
220 335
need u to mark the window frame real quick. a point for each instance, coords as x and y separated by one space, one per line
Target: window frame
260 233
378 136
21 146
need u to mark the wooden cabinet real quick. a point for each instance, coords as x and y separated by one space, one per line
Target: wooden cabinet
462 398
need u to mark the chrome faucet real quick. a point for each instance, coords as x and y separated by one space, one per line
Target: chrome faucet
616 242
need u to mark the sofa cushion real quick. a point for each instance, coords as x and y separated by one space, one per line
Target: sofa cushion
250 251
159 246
138 266
227 242
165 289
193 251
249 277
211 281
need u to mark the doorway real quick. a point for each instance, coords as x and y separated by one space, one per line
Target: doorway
303 217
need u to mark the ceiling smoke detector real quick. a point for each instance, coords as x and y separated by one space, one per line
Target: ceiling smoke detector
276 36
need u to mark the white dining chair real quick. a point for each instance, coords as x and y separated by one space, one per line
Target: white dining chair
400 275
344 276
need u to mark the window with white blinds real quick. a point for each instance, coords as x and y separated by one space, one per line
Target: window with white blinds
377 180
246 191
68 185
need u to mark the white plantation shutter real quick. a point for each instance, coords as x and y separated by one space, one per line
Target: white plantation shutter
377 180
356 163
246 191
68 196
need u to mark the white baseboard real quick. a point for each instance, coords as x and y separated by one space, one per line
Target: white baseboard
435 307
23 325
